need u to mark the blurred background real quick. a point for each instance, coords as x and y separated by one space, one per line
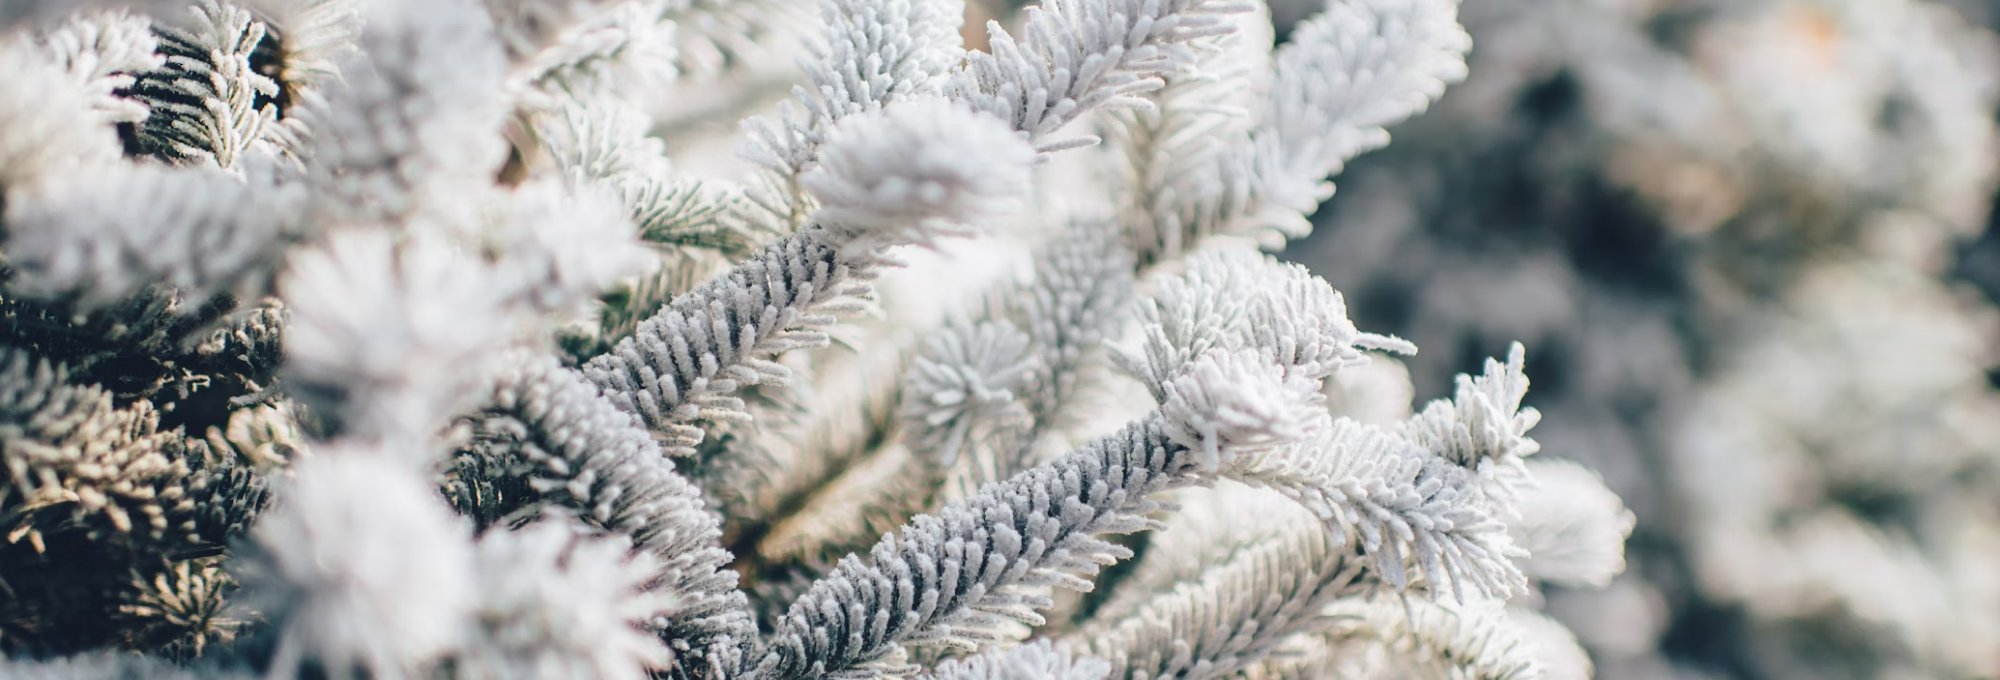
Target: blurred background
1752 249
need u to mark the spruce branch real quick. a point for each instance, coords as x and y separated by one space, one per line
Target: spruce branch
209 105
1344 77
1076 56
562 244
1483 427
382 333
525 29
308 40
1234 614
888 179
1398 503
1400 498
239 365
557 600
74 459
1183 161
586 50
183 608
106 52
609 145
49 120
1221 154
1476 641
959 576
1076 300
98 665
150 346
579 455
956 576
713 37
384 587
1572 527
413 125
963 390
204 233
869 54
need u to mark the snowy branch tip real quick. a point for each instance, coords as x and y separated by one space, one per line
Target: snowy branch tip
916 171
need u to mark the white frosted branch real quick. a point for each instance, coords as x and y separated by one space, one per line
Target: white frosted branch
200 231
1075 56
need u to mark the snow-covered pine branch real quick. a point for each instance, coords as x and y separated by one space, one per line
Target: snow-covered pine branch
381 606
578 455
107 51
200 231
1227 153
556 600
887 179
1237 612
208 104
1345 76
50 120
1075 56
413 125
958 576
1077 298
868 54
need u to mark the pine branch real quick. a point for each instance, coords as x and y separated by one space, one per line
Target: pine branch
49 118
1572 527
75 459
413 125
106 52
1398 502
207 101
204 233
869 54
959 576
580 455
396 594
1236 613
1343 78
556 600
887 179
1077 56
